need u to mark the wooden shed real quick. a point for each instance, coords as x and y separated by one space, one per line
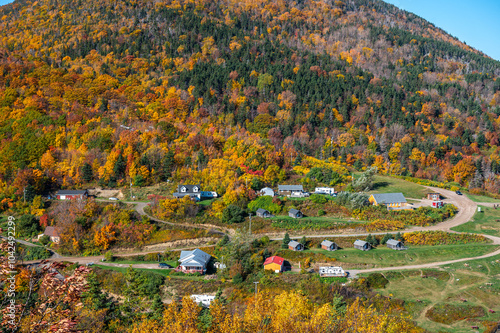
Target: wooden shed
295 246
328 245
396 245
295 213
261 212
362 245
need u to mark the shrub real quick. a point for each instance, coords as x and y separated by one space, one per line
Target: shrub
441 238
321 212
233 214
44 240
318 199
450 313
265 202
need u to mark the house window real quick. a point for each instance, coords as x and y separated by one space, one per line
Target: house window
183 189
195 189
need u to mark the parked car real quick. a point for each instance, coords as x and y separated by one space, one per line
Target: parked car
90 264
113 198
163 265
458 192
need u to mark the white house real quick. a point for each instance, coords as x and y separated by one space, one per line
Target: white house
193 261
204 300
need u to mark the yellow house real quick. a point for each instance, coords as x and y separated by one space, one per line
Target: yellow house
274 263
390 200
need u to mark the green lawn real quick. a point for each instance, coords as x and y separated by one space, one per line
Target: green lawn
481 198
172 263
476 282
206 202
317 219
165 272
385 184
384 257
485 222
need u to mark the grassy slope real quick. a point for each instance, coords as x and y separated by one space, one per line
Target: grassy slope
484 222
383 256
458 281
385 184
481 198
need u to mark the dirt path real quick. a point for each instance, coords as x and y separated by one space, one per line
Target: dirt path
466 210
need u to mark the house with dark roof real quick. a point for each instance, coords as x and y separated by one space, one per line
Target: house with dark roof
53 234
395 245
390 200
295 246
194 261
295 213
275 264
362 245
193 191
328 245
71 194
263 213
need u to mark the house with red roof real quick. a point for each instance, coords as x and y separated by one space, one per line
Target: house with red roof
274 263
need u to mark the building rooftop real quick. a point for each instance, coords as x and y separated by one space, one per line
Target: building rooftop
290 188
275 260
388 198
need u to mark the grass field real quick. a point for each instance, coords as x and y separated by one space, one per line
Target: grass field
164 272
481 198
172 263
471 285
384 257
485 222
385 184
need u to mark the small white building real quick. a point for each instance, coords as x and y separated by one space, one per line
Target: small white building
332 271
267 191
324 190
204 300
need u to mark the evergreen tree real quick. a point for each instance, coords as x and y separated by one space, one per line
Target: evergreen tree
168 165
399 237
120 166
157 308
87 172
286 240
386 238
303 241
95 297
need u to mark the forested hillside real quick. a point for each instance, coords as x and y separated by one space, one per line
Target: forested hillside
222 92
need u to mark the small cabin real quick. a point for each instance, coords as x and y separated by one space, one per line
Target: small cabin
328 245
396 245
295 246
262 213
295 213
325 190
433 196
362 245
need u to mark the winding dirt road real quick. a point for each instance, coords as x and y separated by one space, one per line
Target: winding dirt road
466 210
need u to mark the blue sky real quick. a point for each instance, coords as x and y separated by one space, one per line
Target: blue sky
476 22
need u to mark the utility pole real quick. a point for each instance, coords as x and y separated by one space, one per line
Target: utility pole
256 282
250 228
131 196
24 194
